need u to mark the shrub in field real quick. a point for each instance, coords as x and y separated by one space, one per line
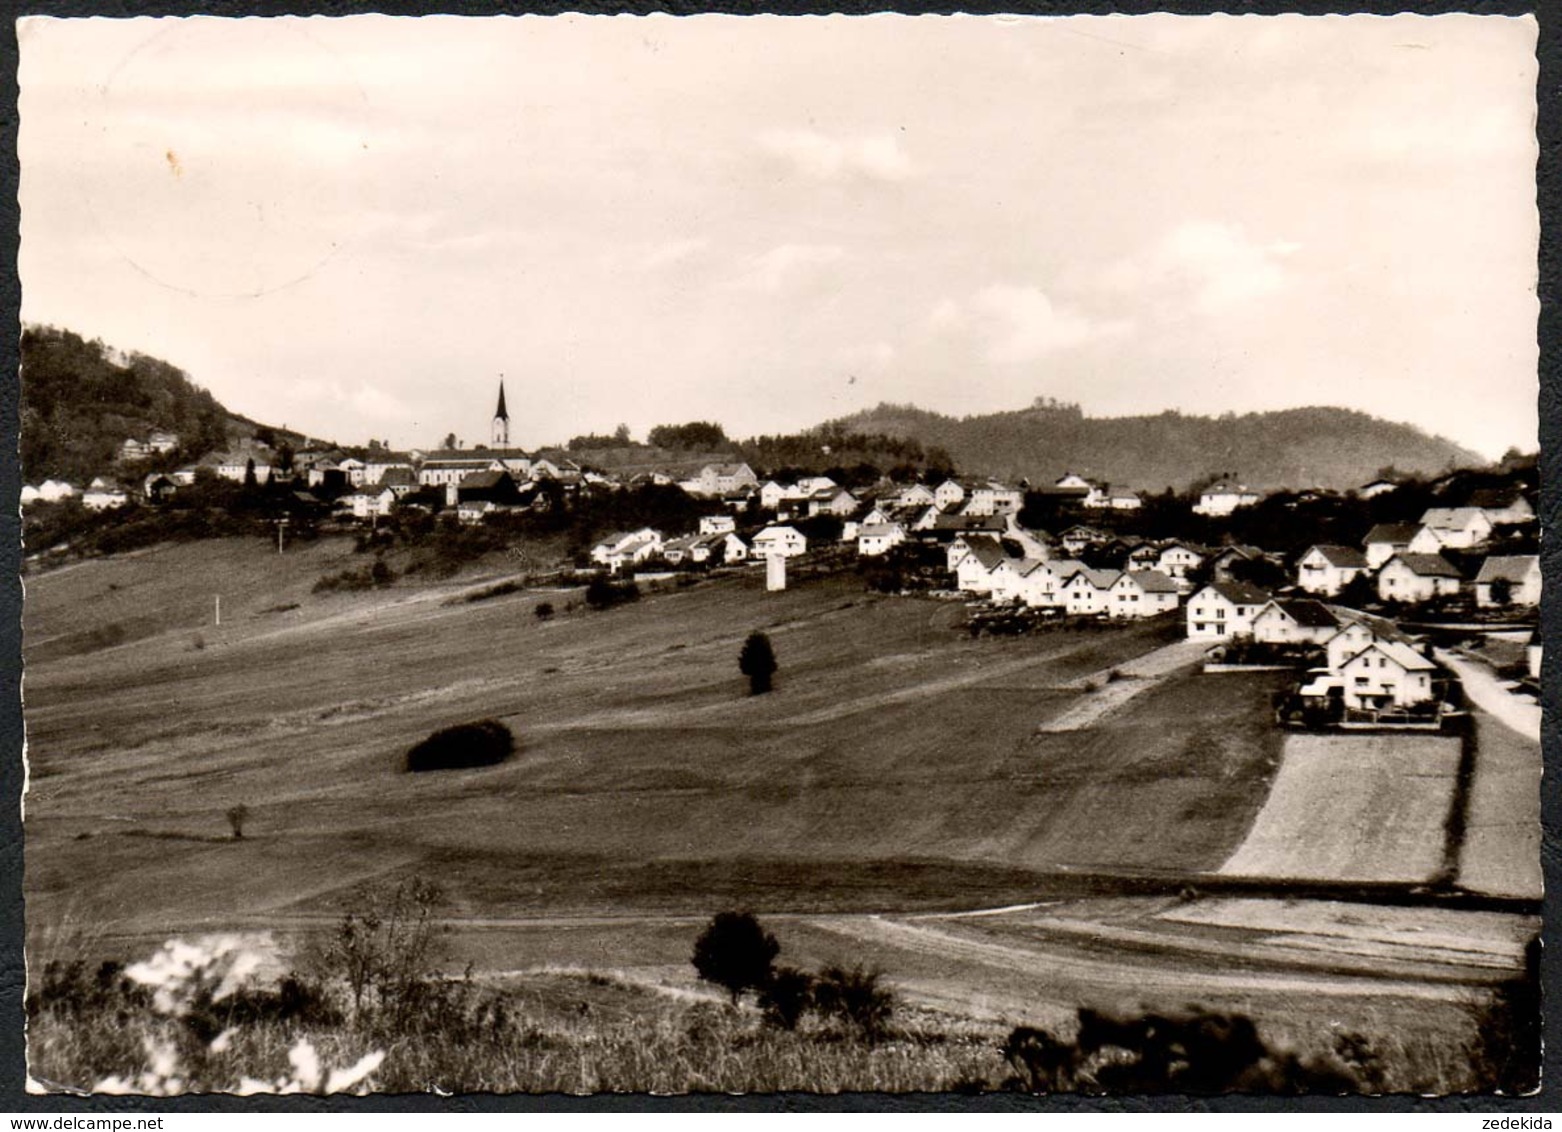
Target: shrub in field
857 998
1194 1052
735 952
385 947
465 745
602 594
786 996
237 815
544 610
757 661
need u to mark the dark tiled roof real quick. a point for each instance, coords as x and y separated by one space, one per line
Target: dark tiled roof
1342 556
1429 565
1507 567
1396 534
1240 593
1309 614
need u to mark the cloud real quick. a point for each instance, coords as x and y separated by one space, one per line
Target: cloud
812 154
1214 266
787 263
1018 323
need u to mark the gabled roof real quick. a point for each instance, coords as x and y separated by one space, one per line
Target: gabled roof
1507 568
771 533
1239 593
1152 581
879 530
1428 565
1402 655
985 549
1099 579
1395 534
1307 613
1343 557
478 480
1242 550
1450 518
1495 497
973 523
398 477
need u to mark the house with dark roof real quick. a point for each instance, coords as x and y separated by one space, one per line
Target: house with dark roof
1418 577
1387 674
1517 574
1328 569
1385 540
1503 505
1453 528
1295 620
1225 610
1090 591
974 568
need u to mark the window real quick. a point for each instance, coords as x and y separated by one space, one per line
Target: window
1220 630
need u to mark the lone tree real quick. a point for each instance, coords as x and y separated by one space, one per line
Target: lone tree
735 952
757 661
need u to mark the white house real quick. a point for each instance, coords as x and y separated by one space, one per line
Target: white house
1417 578
235 466
1225 609
1521 573
1176 560
1456 528
1223 498
376 466
1295 621
975 565
1503 505
1329 569
1385 540
1376 488
104 495
779 542
717 524
915 495
627 548
994 498
948 495
835 501
475 510
442 471
1070 480
1019 580
772 495
1387 674
873 541
369 502
163 442
132 450
30 494
1089 591
52 491
1142 593
724 479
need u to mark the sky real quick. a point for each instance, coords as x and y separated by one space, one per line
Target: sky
353 227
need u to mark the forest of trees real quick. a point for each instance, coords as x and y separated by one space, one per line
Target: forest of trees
81 399
1298 448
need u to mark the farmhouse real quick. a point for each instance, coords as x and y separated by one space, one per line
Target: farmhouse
1516 579
1387 674
1222 499
1417 577
1295 620
103 495
1225 609
1329 569
1386 540
778 542
1457 528
1142 593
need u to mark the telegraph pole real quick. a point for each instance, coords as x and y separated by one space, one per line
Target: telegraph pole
281 526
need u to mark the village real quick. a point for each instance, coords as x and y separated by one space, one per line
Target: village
1352 620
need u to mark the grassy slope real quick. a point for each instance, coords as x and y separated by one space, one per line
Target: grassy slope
646 777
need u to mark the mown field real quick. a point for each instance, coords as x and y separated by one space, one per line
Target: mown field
897 771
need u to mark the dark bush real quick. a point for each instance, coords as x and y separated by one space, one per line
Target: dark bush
786 997
465 745
855 997
544 610
734 952
602 594
757 661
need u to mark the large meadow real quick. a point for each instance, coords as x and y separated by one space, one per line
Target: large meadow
909 798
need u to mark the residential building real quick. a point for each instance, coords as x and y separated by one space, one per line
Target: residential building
1385 540
1503 505
725 479
1453 528
873 541
1177 560
1329 569
1387 674
1225 609
627 548
104 495
1519 574
717 524
1089 591
1294 621
778 542
948 495
1417 578
1223 498
1142 593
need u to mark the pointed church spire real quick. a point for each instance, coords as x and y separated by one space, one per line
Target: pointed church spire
501 432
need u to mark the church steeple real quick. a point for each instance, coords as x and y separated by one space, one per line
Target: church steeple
501 431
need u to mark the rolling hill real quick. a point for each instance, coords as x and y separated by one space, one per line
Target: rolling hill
81 399
1307 447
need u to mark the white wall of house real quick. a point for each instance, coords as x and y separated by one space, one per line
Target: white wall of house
1372 677
1213 616
1398 582
784 542
1317 575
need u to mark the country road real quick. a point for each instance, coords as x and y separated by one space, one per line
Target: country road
1488 694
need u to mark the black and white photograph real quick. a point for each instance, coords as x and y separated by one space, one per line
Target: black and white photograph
711 554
